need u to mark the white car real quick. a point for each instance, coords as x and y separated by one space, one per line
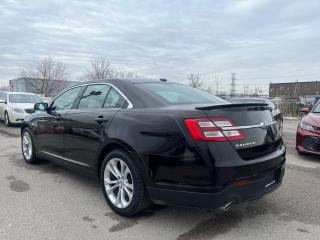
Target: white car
16 106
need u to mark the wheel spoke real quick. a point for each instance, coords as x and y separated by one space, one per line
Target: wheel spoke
118 198
128 185
128 192
112 170
109 181
122 199
29 149
123 168
110 190
115 169
25 140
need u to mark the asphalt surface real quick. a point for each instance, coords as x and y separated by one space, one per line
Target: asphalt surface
46 201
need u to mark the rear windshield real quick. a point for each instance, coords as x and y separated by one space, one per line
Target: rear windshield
179 94
24 98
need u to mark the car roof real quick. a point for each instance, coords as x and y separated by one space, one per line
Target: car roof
129 80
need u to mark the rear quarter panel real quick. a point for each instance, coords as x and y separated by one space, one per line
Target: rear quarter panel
162 146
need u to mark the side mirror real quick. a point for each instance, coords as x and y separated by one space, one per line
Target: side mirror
305 110
41 106
2 101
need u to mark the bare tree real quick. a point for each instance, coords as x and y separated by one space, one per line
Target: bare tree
102 69
43 77
125 75
217 84
195 82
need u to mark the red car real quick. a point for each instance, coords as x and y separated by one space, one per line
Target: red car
308 133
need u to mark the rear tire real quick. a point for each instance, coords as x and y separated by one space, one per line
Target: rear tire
28 147
7 119
122 184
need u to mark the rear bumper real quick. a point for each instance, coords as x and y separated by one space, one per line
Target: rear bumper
235 194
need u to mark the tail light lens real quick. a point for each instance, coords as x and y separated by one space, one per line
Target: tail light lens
210 129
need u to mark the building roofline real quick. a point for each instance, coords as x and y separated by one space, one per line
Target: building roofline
316 81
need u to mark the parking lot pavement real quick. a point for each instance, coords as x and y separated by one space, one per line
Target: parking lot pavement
46 201
10 131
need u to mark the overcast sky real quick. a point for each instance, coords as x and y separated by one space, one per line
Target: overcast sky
261 40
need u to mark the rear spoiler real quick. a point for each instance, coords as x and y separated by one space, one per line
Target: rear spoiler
232 105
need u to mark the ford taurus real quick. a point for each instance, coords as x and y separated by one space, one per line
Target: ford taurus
154 141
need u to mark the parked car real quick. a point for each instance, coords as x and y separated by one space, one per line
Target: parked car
308 133
15 106
156 141
276 113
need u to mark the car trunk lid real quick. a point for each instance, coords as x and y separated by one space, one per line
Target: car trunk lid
257 131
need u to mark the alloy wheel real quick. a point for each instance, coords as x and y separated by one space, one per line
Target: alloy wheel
27 145
118 183
6 119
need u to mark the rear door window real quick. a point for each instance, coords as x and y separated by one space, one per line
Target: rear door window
114 99
94 96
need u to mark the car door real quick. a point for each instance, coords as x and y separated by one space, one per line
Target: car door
86 126
50 127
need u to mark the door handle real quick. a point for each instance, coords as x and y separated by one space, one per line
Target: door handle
100 119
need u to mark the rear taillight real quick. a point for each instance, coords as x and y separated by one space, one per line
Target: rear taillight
211 129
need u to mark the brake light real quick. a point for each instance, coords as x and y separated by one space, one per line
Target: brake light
212 129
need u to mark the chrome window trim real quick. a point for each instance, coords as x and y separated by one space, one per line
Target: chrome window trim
261 125
130 105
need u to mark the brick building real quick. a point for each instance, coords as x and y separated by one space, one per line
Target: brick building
294 89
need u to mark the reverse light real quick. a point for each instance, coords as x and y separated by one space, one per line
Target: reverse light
211 129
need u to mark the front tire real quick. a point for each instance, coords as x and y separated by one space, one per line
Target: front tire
28 146
122 184
7 119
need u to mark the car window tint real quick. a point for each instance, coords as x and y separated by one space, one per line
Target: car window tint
66 99
94 96
175 94
114 99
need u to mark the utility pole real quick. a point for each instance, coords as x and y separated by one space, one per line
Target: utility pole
233 85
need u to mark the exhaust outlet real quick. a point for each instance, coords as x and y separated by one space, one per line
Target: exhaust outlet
226 207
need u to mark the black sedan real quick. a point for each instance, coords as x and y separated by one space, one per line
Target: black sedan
155 141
